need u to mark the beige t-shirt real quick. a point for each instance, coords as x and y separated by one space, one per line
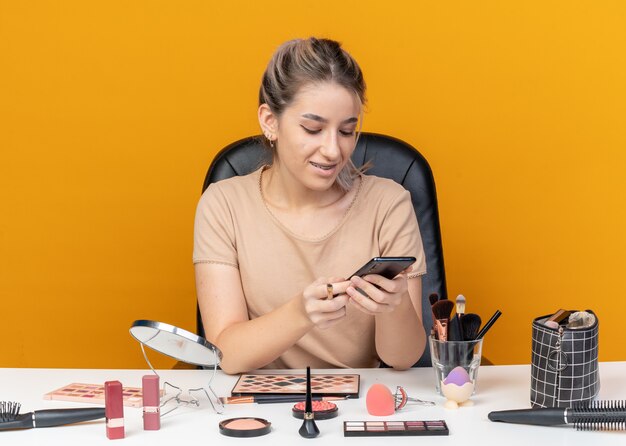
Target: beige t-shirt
234 227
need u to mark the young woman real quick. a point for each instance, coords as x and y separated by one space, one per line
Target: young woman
270 247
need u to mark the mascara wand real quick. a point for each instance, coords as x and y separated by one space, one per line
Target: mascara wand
595 416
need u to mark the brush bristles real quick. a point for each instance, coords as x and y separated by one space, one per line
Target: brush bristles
602 405
599 415
615 409
600 426
432 298
470 324
443 309
9 410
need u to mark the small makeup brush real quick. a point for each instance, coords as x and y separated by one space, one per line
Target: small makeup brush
441 316
432 298
308 429
460 305
455 331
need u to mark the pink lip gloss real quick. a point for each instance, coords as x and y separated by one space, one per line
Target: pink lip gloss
151 403
114 409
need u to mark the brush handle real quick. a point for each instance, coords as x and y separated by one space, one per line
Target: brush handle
552 416
488 325
308 401
59 417
455 330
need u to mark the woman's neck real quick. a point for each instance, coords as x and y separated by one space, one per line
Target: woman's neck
283 191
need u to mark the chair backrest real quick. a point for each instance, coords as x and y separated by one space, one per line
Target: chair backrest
390 158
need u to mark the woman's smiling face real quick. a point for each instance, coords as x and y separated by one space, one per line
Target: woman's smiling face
316 134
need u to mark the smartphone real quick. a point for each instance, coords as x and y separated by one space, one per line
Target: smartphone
388 267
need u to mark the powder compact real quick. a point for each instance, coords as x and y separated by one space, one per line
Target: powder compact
322 410
245 427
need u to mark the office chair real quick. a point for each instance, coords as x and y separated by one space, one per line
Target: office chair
390 158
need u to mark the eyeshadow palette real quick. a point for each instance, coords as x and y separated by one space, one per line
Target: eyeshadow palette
294 384
94 393
394 428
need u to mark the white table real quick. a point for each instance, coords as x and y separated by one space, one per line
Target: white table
500 387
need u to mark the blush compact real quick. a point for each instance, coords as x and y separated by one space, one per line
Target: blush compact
245 427
322 410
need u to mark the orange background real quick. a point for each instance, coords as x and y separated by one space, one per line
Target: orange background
110 113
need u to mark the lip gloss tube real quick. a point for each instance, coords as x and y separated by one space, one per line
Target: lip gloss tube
114 409
151 403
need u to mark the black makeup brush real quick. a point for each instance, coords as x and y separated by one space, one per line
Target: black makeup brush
309 428
595 416
441 316
470 325
10 417
432 298
455 331
483 331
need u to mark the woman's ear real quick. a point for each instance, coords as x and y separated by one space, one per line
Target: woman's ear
268 121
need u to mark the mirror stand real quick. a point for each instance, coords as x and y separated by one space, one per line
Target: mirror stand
183 346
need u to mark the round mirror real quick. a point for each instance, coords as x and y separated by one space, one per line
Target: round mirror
176 343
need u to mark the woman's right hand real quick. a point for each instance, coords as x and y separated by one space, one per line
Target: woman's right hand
320 310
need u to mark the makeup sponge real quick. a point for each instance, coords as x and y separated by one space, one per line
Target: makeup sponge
380 401
458 376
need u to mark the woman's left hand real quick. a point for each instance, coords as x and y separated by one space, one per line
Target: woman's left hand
377 294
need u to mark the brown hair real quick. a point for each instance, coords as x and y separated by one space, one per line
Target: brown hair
305 61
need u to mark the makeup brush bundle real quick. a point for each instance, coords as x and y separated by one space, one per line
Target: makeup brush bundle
460 327
564 362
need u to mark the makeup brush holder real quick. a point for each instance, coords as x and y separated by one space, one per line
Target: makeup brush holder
447 356
564 366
